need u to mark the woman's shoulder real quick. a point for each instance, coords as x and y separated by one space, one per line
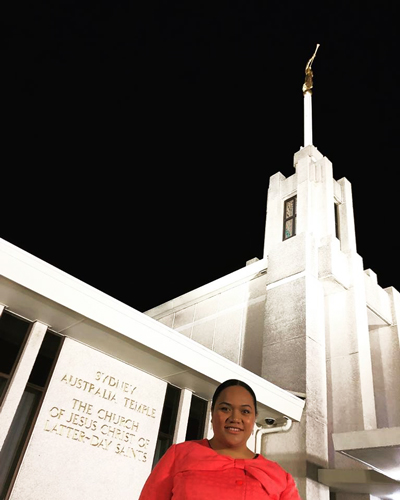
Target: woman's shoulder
193 449
188 446
197 442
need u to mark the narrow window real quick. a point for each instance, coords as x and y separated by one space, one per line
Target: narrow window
337 230
289 218
197 419
168 422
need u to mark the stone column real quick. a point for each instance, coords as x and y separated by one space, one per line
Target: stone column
395 306
385 354
294 359
346 218
351 401
182 417
308 136
273 225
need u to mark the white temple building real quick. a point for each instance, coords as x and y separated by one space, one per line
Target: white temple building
93 391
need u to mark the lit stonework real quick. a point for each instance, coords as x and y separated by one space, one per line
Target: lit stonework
312 321
99 415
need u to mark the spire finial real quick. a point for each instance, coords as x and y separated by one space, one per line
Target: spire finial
307 93
308 82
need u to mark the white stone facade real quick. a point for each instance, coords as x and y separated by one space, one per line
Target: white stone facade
313 322
306 326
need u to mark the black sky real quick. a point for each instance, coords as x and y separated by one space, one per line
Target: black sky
140 136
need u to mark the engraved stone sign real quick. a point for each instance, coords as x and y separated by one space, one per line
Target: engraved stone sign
96 432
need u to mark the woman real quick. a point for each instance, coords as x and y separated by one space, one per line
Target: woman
223 467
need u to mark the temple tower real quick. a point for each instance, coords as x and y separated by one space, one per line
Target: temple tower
316 324
308 318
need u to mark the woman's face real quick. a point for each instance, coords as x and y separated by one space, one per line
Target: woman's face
233 417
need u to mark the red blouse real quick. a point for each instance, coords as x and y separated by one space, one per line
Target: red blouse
193 471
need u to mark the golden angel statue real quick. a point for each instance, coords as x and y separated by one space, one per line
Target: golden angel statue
308 82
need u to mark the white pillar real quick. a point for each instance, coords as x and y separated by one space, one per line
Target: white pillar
183 416
20 378
208 429
308 139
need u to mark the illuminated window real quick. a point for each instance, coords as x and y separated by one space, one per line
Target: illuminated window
337 231
289 218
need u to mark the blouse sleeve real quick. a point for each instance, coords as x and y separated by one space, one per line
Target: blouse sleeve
290 492
160 482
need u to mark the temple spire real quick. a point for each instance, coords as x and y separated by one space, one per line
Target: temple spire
307 93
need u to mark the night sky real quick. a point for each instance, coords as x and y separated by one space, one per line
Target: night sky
140 136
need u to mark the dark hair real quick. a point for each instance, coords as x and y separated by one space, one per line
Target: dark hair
230 383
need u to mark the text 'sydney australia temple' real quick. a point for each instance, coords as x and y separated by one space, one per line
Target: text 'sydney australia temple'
93 392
